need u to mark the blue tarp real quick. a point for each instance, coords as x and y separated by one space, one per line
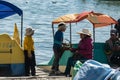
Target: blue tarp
8 9
94 70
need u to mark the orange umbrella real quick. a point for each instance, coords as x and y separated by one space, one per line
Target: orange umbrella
97 19
69 18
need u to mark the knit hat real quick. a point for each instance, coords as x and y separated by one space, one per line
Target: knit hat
29 31
62 25
113 31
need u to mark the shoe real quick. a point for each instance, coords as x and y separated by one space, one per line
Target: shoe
52 72
27 75
58 72
35 75
68 75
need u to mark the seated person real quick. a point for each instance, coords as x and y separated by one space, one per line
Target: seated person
112 46
83 52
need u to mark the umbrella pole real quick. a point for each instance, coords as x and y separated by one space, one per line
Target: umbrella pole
93 33
93 40
21 28
53 30
70 36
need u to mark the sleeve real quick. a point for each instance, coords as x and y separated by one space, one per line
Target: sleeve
107 48
25 44
59 37
86 46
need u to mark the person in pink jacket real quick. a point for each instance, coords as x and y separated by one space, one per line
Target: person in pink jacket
83 52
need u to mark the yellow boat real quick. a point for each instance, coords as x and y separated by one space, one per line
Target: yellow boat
11 52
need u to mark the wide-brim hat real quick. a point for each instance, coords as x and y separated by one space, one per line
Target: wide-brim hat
85 31
29 31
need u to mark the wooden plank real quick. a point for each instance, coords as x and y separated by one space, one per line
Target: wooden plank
41 74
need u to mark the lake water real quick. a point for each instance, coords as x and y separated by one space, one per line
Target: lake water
40 13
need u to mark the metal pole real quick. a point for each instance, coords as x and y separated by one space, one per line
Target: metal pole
21 28
53 30
93 41
70 35
93 33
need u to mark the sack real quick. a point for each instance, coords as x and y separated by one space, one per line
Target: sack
116 76
93 70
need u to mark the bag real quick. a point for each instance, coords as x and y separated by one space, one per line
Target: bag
116 76
93 70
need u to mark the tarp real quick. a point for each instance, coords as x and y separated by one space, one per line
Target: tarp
93 70
8 9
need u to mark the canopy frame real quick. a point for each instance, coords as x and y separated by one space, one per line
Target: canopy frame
80 17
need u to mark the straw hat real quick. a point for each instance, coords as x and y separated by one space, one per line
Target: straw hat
29 31
85 31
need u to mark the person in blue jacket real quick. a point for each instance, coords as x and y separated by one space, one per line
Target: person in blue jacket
57 47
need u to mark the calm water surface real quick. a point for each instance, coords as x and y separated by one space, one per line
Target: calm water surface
40 13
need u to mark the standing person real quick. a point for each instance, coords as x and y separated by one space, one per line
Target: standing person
57 47
117 27
112 49
82 52
30 62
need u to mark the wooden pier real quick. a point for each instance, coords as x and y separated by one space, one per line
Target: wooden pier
41 74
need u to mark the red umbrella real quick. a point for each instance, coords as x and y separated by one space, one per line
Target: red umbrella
97 19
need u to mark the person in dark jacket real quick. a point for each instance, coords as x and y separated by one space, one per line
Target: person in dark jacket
117 27
112 48
57 47
82 52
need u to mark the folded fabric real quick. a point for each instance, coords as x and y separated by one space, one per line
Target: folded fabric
93 70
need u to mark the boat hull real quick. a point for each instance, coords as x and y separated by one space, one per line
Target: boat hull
98 55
